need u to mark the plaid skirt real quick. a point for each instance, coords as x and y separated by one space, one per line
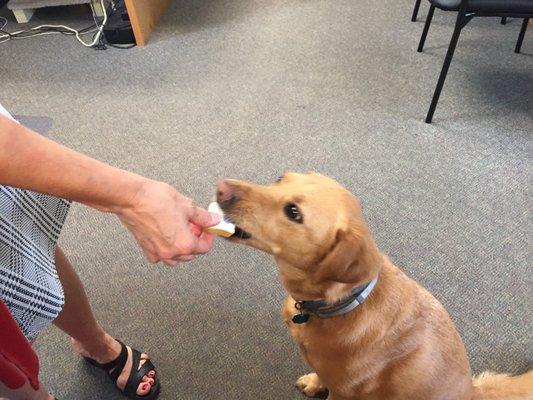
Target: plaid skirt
30 224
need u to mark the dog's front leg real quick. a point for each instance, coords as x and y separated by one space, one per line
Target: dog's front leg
312 386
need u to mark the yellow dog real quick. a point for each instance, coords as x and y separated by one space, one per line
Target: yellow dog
367 330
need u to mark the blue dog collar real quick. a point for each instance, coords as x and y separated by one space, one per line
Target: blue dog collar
323 309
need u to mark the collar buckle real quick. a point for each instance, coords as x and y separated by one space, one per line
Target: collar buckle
301 318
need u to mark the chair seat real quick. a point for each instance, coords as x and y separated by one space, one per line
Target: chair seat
488 6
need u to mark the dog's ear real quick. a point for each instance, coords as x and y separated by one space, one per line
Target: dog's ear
354 259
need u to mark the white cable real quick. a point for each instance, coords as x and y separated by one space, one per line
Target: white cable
7 37
5 22
74 31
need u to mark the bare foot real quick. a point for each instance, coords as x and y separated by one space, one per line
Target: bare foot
109 351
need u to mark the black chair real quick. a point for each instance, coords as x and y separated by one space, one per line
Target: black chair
417 8
415 11
466 10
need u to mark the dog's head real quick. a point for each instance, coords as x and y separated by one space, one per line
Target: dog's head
312 226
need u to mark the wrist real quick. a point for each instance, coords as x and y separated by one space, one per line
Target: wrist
124 194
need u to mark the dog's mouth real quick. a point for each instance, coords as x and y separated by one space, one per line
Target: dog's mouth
241 233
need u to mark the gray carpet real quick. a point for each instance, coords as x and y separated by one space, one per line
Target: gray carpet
247 89
39 124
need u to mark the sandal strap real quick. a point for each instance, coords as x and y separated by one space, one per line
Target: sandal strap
134 378
145 368
112 364
116 367
136 375
118 364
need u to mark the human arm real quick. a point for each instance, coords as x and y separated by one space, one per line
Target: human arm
167 225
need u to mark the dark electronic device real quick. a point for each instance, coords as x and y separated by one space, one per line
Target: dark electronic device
118 28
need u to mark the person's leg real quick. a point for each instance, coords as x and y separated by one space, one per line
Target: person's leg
88 337
26 392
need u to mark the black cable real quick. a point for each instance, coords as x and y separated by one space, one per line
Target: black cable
123 47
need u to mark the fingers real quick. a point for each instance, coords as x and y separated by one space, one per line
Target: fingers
184 258
152 258
180 259
183 254
204 243
177 239
186 249
203 218
199 245
149 254
195 229
192 243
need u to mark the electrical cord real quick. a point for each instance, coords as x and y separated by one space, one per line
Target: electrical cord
63 29
37 32
27 34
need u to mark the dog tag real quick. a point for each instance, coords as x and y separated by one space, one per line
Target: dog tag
300 318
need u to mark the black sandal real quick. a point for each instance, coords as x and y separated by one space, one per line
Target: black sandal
136 375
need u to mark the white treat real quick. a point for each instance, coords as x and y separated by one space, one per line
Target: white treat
224 228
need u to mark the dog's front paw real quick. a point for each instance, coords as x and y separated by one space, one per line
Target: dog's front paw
311 386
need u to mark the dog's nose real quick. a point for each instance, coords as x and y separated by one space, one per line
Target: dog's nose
226 194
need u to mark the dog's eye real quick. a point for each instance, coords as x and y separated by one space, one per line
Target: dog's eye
279 179
293 213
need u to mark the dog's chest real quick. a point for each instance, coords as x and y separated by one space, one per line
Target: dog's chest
288 312
305 335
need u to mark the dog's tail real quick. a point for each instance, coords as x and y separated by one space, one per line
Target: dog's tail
489 386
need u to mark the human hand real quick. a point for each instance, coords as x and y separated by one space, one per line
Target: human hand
167 225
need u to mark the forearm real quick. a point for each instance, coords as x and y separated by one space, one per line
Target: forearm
30 161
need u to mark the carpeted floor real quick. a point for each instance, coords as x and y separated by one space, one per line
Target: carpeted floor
249 88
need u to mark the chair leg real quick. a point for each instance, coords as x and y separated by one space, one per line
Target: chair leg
504 20
426 29
460 23
415 11
521 36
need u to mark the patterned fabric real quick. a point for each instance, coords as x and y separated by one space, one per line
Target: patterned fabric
30 224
